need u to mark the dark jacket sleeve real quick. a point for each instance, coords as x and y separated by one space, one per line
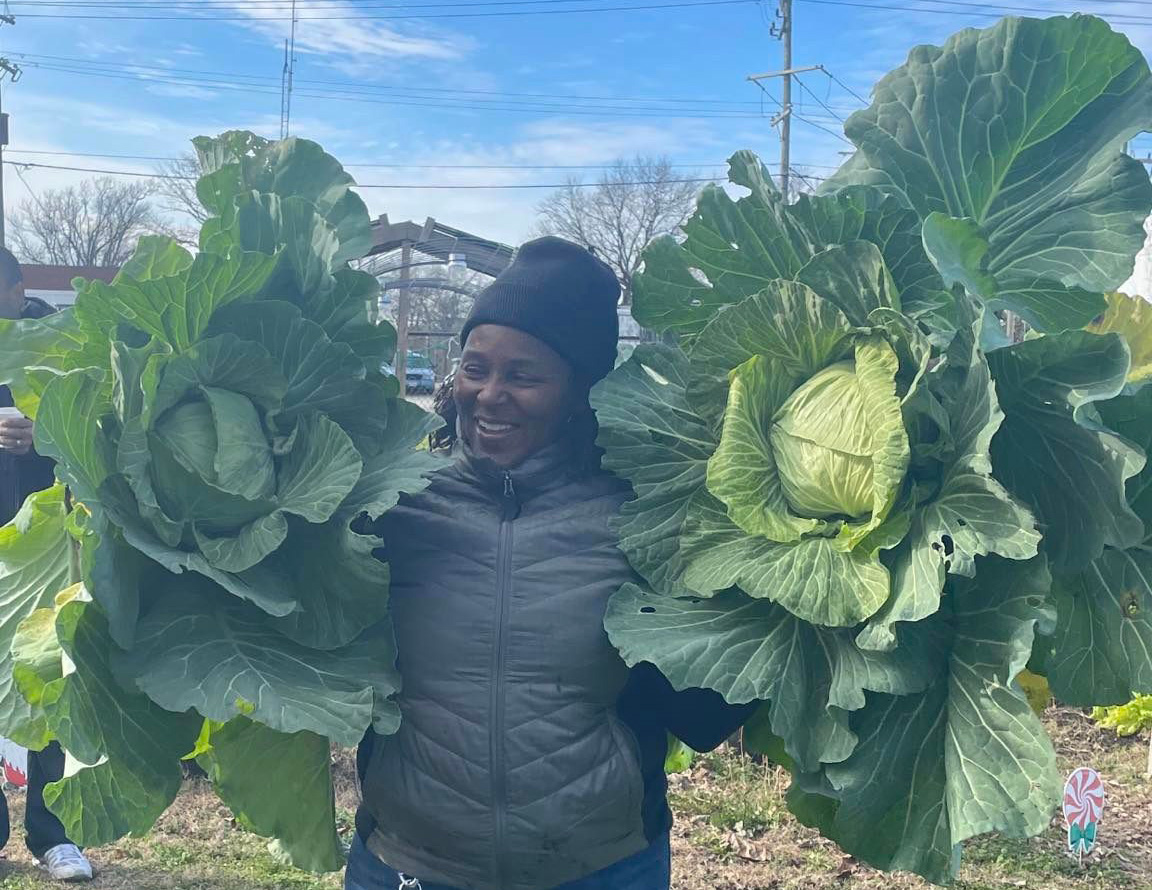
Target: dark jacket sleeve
700 718
21 476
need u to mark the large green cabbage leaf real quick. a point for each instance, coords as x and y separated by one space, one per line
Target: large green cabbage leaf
857 500
35 560
1018 129
223 420
1100 652
734 248
962 757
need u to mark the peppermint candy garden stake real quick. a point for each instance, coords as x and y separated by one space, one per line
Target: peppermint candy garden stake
1083 806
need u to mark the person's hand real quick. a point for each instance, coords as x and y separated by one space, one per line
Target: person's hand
15 435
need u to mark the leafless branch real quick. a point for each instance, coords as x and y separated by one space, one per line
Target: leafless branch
632 203
96 223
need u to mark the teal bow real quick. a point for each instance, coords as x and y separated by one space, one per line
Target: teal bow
1082 838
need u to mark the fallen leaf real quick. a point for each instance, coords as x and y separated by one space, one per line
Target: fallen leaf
752 851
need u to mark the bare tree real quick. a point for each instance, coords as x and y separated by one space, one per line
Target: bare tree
96 223
805 181
436 309
631 204
177 190
436 315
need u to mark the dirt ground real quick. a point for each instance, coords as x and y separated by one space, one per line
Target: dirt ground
732 833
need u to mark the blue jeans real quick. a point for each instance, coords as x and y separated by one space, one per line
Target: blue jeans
649 869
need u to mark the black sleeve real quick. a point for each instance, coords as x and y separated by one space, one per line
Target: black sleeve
36 473
700 718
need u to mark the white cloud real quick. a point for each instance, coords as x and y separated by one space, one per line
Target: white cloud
180 91
885 43
98 47
351 41
509 215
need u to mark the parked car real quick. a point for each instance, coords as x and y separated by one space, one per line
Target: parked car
419 375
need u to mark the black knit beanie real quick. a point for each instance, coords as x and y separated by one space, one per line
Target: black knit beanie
561 294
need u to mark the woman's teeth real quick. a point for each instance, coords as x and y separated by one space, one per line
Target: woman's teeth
489 427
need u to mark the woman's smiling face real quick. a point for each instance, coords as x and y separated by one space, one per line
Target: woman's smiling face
514 394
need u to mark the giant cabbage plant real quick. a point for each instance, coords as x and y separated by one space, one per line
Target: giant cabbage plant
220 421
856 499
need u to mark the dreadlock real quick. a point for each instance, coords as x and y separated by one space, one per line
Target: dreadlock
582 428
445 406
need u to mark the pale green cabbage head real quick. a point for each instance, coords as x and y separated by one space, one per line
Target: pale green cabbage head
824 446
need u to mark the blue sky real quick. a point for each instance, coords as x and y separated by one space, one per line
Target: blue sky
434 90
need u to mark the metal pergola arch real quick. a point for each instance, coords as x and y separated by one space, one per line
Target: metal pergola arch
442 243
438 240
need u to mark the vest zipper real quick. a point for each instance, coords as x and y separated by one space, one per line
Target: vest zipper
510 508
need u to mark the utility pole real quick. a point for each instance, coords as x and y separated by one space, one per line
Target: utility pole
287 77
782 31
786 98
12 70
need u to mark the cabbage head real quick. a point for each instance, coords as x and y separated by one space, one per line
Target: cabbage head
217 466
863 501
223 427
834 462
825 447
812 453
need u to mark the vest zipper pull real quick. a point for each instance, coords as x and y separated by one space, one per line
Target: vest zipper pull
511 506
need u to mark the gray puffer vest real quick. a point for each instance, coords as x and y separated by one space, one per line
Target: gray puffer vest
512 769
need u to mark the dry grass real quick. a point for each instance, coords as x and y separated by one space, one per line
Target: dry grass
195 846
733 833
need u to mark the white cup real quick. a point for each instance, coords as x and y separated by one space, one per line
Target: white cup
8 413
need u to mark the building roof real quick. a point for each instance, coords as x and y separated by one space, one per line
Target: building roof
438 240
59 278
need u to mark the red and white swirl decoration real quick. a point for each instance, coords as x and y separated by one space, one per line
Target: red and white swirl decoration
1083 797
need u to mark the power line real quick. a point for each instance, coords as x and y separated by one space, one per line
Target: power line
422 101
31 194
995 11
505 105
820 101
370 87
385 90
562 96
133 157
1013 8
827 130
851 91
803 119
811 180
261 5
1122 18
140 174
286 5
223 80
497 106
385 166
374 17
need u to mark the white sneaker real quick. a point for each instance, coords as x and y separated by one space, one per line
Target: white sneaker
65 862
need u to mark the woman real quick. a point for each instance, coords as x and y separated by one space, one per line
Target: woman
22 472
529 756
